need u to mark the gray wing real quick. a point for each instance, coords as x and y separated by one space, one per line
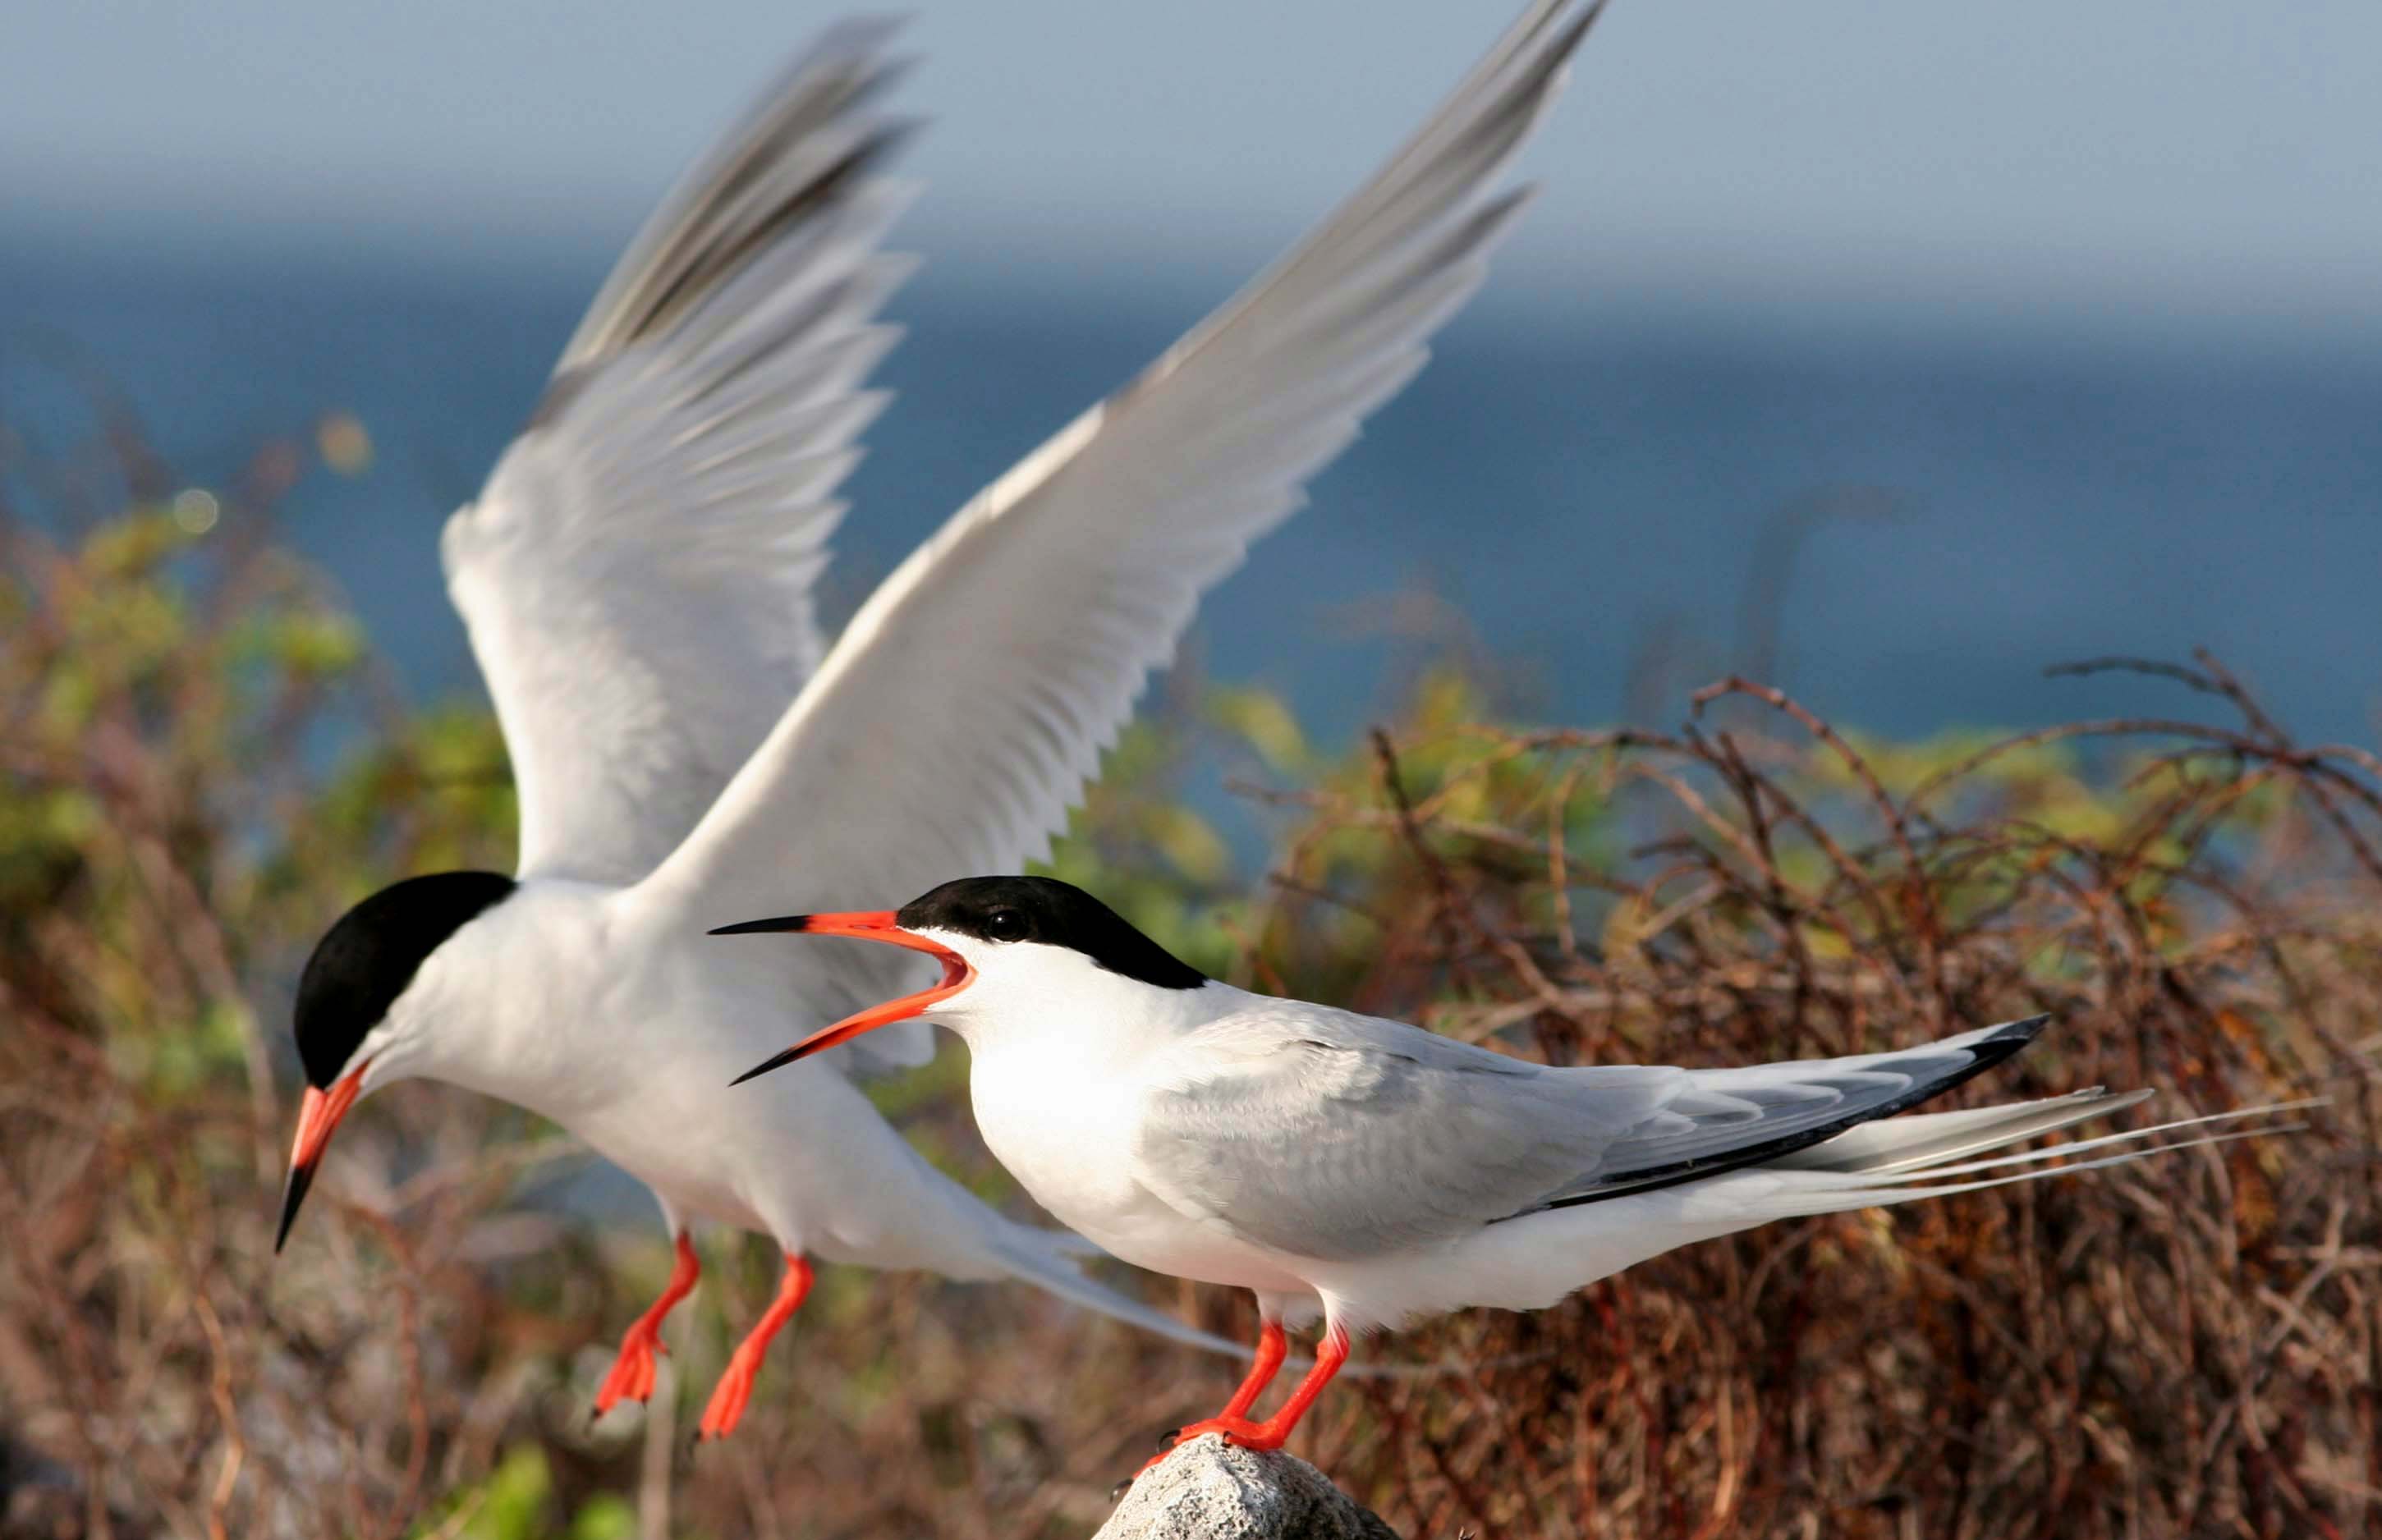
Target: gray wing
636 574
1335 1136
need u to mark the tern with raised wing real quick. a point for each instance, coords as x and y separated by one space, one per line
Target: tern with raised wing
1367 1172
636 577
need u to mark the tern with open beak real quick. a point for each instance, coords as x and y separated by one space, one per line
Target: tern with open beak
636 577
1368 1172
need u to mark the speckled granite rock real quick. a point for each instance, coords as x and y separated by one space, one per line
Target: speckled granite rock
1209 1490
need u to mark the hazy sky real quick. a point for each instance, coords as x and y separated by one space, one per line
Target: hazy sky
2137 157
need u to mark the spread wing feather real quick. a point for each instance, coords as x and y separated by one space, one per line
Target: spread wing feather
636 574
962 712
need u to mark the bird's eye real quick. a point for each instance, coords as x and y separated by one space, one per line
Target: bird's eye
1004 924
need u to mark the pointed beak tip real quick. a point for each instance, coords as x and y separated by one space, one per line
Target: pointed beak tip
776 1061
760 927
293 1194
319 1112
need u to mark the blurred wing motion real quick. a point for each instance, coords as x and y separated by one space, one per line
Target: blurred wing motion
962 711
636 574
1328 1134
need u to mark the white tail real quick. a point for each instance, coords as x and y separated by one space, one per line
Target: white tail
1532 1261
1051 1260
1902 1159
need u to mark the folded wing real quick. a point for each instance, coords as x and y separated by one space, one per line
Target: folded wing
1334 1136
1761 1113
1325 1134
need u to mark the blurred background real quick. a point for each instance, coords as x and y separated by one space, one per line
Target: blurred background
2023 332
1892 353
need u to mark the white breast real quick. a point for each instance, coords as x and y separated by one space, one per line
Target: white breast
1061 1107
628 1037
1066 1134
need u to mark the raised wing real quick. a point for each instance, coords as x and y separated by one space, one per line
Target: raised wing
1334 1136
971 698
636 574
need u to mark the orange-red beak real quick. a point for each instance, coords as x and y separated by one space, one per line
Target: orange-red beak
875 924
318 1116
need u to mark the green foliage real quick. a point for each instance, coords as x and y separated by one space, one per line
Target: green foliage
517 1501
179 820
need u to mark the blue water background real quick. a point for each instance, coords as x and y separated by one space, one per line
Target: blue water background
1578 481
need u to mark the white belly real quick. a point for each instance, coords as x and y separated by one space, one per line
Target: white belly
629 1041
1071 1144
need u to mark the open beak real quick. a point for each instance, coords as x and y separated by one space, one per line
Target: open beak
868 925
318 1116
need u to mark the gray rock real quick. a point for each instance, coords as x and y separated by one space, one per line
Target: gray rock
1209 1490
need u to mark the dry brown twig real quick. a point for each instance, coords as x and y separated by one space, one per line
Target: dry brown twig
2191 1351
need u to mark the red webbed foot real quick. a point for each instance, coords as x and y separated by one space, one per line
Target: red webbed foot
1246 1432
1274 1431
734 1392
1236 1430
631 1375
730 1396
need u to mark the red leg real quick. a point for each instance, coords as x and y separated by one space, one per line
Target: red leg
1331 1352
1272 1348
1234 1422
735 1386
632 1371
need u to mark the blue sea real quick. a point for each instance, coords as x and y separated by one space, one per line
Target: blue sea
1903 521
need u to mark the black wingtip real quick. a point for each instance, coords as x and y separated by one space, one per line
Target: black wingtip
2001 1044
2006 1041
777 1062
760 927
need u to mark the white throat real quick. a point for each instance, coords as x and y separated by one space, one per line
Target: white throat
1045 1000
500 1007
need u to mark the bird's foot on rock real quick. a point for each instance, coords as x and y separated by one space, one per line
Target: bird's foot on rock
1213 1486
1242 1431
1248 1435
